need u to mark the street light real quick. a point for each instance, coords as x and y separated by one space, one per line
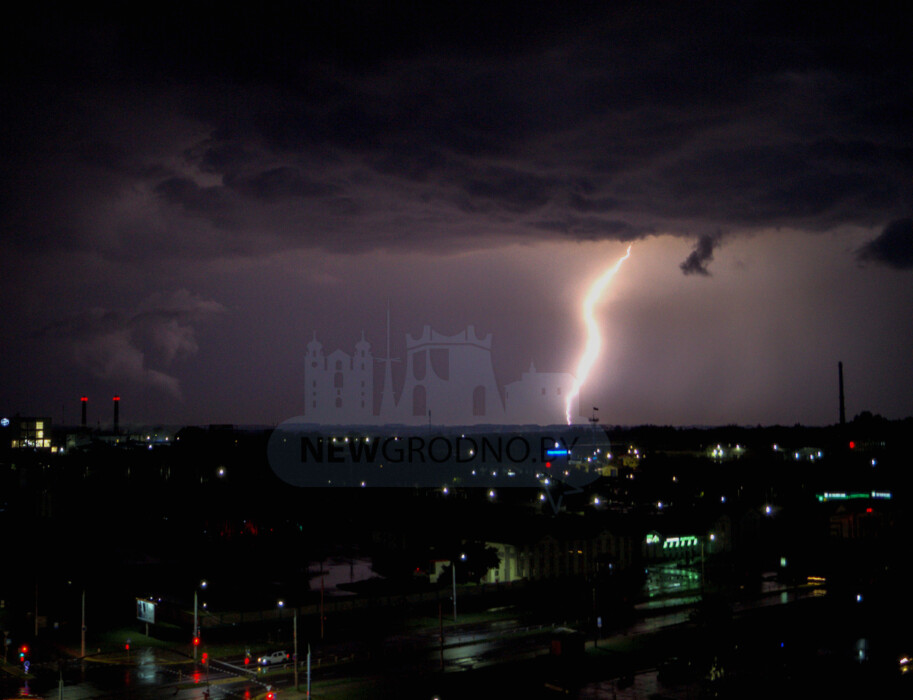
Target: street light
453 572
196 617
711 537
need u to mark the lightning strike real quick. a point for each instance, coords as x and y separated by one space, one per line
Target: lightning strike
594 338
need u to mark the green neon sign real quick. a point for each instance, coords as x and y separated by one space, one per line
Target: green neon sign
850 495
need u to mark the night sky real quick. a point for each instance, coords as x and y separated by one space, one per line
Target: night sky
189 191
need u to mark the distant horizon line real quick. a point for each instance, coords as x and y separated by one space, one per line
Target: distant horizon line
125 427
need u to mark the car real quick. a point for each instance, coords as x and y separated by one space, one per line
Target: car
276 657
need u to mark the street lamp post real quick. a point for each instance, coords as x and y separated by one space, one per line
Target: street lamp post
295 645
82 631
280 605
453 572
711 537
196 616
196 626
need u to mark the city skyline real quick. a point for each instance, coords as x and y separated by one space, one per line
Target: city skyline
187 197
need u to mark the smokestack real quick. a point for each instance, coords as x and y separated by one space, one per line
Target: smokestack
85 402
842 407
116 413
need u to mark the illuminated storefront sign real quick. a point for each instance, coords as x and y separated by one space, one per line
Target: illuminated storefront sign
850 495
674 542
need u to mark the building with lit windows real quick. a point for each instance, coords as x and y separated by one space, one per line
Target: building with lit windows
26 433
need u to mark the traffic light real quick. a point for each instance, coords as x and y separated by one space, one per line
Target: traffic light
23 652
247 660
205 658
196 641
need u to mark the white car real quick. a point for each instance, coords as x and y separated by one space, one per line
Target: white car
277 657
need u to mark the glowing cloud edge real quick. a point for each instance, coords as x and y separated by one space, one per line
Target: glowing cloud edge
594 338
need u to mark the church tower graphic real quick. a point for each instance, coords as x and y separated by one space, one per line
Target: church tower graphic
449 380
339 388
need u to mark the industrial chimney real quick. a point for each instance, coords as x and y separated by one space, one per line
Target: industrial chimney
842 407
116 413
85 402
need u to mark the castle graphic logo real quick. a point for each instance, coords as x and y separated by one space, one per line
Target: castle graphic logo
449 380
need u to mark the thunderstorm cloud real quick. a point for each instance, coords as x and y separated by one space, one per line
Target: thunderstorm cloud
120 346
696 263
475 162
894 247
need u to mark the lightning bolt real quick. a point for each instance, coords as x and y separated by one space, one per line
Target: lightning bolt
593 337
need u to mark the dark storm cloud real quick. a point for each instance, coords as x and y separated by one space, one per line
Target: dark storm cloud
385 125
588 228
119 345
696 263
510 189
194 199
221 157
894 247
280 183
228 148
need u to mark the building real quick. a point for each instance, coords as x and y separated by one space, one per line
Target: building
34 433
552 557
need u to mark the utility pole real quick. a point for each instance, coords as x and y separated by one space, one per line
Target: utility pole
82 634
702 564
453 571
321 605
295 644
196 626
309 672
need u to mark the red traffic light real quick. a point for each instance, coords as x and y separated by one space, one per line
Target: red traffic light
127 646
246 660
24 649
205 658
196 641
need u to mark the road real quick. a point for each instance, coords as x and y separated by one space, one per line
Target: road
149 673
